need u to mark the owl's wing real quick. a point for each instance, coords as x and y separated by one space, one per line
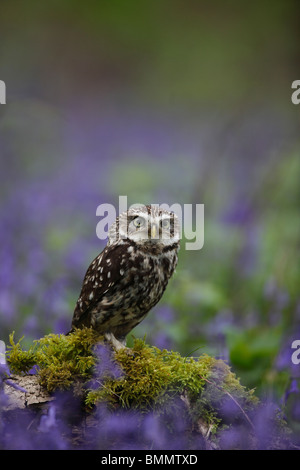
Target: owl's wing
105 271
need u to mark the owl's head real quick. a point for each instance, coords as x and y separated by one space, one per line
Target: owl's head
146 224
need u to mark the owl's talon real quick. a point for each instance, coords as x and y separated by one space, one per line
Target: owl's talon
117 345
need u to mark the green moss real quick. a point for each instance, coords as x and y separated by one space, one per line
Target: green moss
20 361
150 380
152 377
60 359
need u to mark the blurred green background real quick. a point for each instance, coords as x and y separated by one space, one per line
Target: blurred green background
165 102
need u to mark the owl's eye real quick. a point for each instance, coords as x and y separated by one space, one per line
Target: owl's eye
165 223
139 222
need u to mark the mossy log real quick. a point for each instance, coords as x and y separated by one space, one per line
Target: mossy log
143 379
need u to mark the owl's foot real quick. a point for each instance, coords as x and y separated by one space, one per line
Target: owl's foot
117 345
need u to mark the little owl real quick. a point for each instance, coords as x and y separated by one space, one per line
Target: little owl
130 275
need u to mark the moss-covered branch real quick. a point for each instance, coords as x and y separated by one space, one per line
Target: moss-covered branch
144 378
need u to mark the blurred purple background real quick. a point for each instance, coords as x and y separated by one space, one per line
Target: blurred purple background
164 102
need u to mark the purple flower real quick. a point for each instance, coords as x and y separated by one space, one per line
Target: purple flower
106 367
266 426
48 421
236 437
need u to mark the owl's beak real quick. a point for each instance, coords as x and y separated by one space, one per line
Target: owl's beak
154 231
